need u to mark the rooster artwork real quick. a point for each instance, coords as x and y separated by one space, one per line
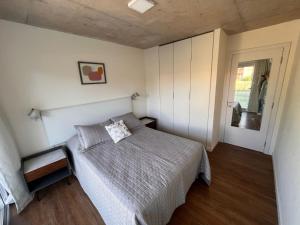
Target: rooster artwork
92 73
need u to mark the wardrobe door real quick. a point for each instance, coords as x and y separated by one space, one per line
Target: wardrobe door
182 73
152 81
166 82
201 63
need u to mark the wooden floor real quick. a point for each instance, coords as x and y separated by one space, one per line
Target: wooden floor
241 193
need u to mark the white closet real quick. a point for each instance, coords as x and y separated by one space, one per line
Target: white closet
184 79
182 86
166 84
201 67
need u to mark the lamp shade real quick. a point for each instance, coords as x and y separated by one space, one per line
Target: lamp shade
34 114
134 95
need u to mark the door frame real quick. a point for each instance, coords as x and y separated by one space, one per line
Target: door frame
278 100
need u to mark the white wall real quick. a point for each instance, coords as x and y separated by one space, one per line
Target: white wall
281 33
286 156
39 69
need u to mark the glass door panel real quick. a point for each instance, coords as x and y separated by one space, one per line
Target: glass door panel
251 86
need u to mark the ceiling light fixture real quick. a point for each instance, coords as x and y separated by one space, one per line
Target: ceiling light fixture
141 6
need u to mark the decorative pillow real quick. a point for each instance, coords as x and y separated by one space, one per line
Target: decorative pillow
91 135
118 131
129 119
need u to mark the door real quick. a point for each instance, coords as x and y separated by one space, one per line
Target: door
201 66
166 86
253 81
182 82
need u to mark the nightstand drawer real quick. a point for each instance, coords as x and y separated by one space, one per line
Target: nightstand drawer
45 170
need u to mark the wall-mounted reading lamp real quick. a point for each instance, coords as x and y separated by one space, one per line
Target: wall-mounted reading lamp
134 96
35 114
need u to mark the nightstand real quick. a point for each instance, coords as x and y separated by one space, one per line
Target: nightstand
46 168
149 122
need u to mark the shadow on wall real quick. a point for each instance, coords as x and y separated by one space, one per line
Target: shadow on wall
5 121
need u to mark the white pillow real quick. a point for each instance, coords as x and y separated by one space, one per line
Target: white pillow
118 131
91 135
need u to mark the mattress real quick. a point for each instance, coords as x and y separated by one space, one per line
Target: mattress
142 179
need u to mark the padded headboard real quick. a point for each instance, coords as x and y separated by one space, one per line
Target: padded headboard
59 123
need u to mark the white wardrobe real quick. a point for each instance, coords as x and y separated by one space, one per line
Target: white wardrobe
179 85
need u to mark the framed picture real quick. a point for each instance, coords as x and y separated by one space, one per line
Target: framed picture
92 73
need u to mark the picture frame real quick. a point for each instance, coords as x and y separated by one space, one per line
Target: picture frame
92 73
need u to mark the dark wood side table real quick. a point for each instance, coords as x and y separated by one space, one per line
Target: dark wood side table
149 122
46 168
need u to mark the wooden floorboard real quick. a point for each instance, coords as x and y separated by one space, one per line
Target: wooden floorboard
241 193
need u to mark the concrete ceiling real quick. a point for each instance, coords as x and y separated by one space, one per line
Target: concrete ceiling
168 21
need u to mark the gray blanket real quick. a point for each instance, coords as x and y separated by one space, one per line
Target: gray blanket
148 174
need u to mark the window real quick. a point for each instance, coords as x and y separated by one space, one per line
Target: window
243 85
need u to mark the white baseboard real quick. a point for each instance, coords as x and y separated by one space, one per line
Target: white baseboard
278 202
211 148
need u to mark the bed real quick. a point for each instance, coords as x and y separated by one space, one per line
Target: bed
142 179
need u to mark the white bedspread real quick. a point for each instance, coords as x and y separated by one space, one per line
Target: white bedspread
142 179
